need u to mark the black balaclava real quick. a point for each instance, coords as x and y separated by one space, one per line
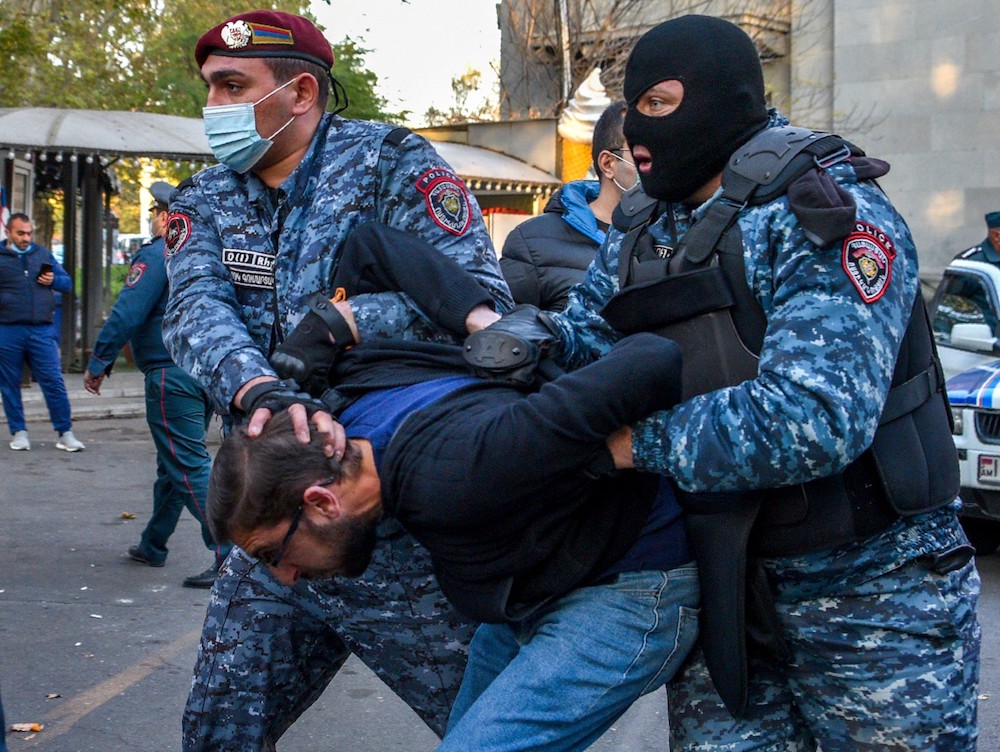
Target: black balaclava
723 104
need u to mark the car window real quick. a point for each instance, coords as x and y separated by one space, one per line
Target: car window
963 299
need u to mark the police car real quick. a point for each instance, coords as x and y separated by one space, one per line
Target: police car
965 316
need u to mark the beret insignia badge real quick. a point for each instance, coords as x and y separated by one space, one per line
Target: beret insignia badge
236 34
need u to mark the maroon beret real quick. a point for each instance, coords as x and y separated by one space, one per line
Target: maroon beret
266 33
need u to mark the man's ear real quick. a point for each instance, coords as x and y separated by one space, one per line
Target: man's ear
306 91
606 165
324 501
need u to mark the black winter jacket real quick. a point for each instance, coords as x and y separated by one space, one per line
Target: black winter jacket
546 255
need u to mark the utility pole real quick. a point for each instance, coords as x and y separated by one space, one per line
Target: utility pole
567 68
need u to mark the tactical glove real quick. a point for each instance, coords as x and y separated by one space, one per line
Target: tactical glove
514 349
277 396
311 350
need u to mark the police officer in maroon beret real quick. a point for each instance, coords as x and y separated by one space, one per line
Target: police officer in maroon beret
251 246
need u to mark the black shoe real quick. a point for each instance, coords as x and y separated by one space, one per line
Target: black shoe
136 554
202 580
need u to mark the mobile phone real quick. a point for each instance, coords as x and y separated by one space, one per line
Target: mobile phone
44 269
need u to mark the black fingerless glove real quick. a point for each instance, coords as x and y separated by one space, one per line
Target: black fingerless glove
514 349
277 396
312 349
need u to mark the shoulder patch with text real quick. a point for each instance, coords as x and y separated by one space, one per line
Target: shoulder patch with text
447 201
249 268
178 232
135 274
867 258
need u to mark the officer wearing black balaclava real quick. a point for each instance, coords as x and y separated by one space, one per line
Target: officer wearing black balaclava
814 456
721 104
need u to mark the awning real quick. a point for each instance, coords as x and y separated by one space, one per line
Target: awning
108 133
114 133
485 170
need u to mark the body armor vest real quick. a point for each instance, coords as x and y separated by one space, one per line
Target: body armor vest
697 295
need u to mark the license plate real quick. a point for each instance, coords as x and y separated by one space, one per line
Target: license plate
989 469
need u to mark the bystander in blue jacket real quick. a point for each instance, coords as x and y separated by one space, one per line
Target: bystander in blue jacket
29 277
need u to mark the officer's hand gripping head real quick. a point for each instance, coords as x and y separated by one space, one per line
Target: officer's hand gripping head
312 349
277 396
514 348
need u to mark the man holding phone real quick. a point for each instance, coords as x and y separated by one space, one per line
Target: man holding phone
29 275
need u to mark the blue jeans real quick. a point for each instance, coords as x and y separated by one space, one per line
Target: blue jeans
32 344
559 679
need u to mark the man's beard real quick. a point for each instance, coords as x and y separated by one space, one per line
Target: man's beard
354 538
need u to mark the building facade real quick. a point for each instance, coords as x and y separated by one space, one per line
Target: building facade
914 82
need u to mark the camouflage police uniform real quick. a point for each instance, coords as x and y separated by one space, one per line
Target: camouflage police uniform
884 649
242 260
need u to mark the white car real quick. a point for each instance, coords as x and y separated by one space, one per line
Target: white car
965 316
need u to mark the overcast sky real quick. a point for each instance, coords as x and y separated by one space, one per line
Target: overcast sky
417 47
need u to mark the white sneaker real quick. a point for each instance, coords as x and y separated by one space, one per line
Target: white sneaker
69 442
20 442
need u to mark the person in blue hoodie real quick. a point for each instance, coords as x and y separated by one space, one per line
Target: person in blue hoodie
29 276
546 255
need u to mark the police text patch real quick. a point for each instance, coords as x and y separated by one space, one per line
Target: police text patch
447 201
249 268
178 232
135 274
867 258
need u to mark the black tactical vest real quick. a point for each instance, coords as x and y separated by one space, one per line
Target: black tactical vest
697 295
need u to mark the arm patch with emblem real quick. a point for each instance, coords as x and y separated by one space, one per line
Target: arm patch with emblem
178 232
447 200
867 258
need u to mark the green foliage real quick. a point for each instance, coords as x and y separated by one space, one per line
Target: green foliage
74 53
138 55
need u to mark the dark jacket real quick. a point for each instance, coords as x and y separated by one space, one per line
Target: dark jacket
492 481
982 252
137 315
22 299
546 255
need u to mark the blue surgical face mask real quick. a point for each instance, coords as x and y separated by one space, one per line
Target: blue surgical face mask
232 133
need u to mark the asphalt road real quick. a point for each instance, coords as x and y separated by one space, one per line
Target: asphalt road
99 649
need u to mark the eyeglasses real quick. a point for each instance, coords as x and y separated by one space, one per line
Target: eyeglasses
273 560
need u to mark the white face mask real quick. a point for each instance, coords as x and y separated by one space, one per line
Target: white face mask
622 188
232 133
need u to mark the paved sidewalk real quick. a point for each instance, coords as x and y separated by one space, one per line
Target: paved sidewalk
121 397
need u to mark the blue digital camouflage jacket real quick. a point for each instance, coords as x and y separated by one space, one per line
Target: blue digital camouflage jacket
242 259
827 359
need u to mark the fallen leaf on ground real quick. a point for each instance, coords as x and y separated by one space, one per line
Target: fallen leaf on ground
128 516
26 727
